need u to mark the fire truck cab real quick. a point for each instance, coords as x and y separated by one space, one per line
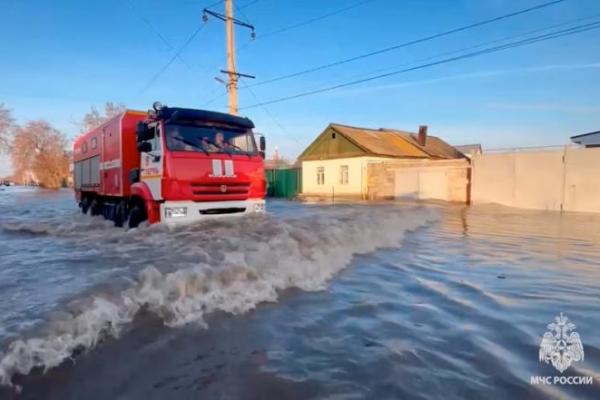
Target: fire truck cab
170 165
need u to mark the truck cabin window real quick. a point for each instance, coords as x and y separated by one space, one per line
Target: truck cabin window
209 139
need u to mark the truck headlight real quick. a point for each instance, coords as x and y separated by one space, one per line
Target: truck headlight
259 207
175 212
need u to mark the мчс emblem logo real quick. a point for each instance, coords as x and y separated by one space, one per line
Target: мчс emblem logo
561 345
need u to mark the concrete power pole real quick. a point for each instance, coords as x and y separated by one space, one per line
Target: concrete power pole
233 75
232 84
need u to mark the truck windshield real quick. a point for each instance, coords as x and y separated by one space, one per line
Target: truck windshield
209 139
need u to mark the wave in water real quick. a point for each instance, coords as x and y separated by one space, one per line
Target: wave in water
229 266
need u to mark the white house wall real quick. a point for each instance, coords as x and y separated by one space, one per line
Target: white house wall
357 176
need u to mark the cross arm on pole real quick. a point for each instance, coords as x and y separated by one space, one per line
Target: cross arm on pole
238 74
224 18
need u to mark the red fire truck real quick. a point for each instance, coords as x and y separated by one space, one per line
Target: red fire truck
169 165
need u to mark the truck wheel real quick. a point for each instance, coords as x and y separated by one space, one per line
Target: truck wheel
120 214
136 216
95 208
85 205
108 210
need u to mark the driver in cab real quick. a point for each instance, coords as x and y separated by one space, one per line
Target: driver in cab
220 144
177 142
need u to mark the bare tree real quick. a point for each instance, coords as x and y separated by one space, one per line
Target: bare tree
7 124
39 153
95 118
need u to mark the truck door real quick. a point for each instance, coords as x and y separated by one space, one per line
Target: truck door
105 150
110 163
152 164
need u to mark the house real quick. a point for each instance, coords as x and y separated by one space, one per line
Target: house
469 149
591 139
347 161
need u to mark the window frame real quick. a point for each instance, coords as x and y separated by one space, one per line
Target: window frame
344 174
320 176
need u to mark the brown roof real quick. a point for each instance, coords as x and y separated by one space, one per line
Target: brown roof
395 143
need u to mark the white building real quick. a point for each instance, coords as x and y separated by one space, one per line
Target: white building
591 139
336 163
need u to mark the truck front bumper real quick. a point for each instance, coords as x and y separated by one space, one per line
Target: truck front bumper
177 212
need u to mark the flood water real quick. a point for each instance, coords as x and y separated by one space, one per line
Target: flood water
377 301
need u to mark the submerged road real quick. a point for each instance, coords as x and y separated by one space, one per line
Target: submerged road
307 302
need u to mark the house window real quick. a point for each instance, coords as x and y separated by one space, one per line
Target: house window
320 175
343 174
94 143
84 147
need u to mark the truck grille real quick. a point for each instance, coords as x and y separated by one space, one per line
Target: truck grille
216 211
220 191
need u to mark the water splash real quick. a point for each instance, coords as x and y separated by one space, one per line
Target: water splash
189 272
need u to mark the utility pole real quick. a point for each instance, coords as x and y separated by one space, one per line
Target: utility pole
233 75
232 85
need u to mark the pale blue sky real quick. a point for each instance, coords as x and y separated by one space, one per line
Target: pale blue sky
60 57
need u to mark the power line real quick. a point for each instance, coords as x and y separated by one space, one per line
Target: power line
463 49
250 3
175 56
155 31
314 19
410 43
216 3
149 24
239 9
270 115
164 40
481 44
306 22
298 24
215 98
524 42
569 31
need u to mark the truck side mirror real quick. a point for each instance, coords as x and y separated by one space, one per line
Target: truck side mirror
144 147
262 144
142 132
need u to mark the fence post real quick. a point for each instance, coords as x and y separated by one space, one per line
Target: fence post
564 180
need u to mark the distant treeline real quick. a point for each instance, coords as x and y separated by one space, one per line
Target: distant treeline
41 154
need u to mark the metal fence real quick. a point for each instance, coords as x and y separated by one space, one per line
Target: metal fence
285 183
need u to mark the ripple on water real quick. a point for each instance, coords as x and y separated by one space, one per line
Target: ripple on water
457 310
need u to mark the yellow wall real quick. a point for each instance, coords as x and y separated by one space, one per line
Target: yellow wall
357 176
582 180
446 180
531 179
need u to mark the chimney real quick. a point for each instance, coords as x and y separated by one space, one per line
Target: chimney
422 137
